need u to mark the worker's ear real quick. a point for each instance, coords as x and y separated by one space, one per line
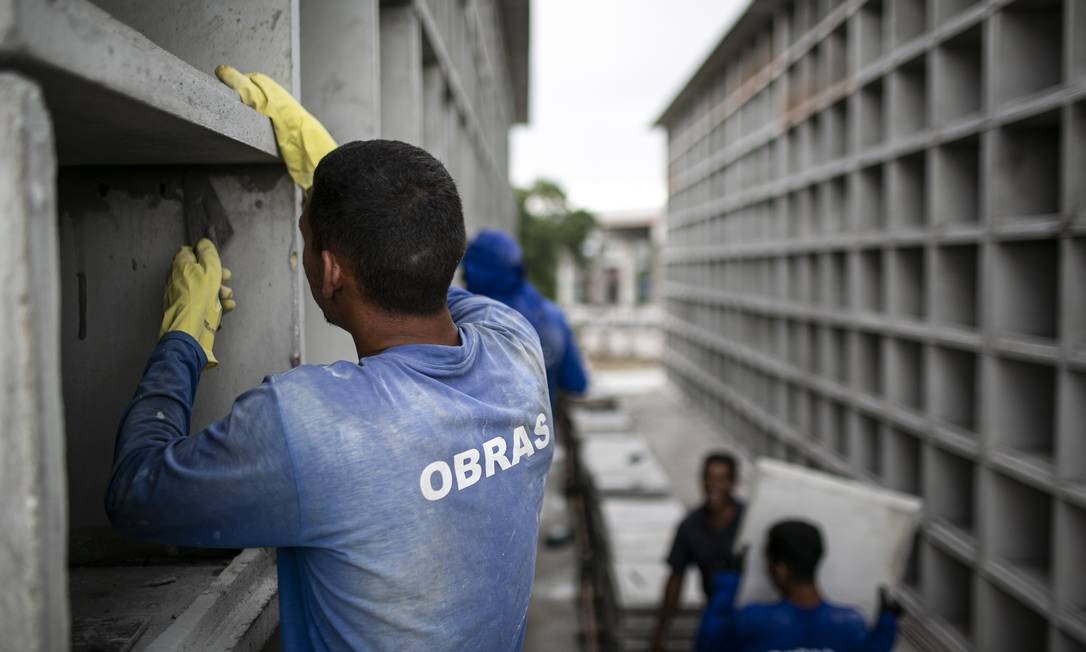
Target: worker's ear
331 274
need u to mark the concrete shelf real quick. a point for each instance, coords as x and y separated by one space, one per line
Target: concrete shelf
944 9
905 379
955 285
1071 444
957 77
906 20
1027 155
954 182
1034 26
953 387
1022 404
908 285
907 100
948 591
1026 288
950 489
1011 625
872 123
1019 528
906 193
117 98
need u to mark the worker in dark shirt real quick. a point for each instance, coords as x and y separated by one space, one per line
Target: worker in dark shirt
704 538
802 619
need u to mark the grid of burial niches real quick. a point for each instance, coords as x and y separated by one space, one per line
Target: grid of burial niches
883 277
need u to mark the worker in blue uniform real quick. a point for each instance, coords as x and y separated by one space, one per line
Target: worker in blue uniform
494 267
402 490
802 619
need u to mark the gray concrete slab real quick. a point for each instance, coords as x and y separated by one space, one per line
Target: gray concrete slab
115 97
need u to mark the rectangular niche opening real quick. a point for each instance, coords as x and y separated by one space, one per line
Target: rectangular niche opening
872 122
1010 626
948 591
908 101
1028 175
1072 443
954 391
957 77
836 130
1020 528
836 279
902 466
839 432
869 32
957 292
869 281
955 182
908 286
868 361
1027 288
1074 298
835 354
868 440
869 206
906 196
834 215
1023 404
950 489
908 19
1071 559
1034 27
906 374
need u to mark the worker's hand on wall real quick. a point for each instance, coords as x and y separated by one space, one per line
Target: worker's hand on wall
195 297
302 139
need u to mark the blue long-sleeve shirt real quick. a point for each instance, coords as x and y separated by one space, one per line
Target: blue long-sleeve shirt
783 627
402 492
494 267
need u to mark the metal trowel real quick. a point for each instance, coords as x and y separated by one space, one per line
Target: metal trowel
204 215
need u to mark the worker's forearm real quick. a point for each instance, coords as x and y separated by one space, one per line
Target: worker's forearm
158 414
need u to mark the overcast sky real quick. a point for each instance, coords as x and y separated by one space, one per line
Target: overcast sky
601 73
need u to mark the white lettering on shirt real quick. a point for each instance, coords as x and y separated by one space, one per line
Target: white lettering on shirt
466 465
426 480
468 471
542 431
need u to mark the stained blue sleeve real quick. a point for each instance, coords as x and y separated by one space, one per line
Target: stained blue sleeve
572 376
717 631
881 638
230 485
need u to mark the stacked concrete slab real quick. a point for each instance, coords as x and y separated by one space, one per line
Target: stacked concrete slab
105 108
877 242
632 516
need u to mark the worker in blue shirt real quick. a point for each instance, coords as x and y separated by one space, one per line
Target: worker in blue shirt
402 491
802 619
494 267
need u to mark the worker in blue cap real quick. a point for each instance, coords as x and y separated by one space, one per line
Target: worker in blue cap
494 267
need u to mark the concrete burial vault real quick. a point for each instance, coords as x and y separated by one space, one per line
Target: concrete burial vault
104 107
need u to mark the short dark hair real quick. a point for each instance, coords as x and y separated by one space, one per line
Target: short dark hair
798 545
721 457
393 211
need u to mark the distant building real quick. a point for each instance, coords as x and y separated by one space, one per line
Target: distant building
613 302
875 263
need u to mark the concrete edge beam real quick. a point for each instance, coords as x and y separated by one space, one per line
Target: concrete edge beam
117 98
33 528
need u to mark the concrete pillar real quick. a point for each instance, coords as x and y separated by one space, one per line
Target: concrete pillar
340 66
401 74
33 521
340 71
435 132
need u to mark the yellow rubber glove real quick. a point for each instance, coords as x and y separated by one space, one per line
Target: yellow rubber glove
303 140
195 297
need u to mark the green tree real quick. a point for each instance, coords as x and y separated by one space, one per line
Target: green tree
547 224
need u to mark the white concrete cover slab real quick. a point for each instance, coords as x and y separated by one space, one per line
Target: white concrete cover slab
587 422
867 532
622 464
